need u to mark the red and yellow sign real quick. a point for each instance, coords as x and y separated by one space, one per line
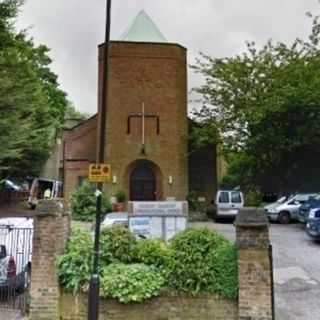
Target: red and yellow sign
99 173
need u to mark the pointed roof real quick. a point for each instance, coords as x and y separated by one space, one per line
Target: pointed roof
143 29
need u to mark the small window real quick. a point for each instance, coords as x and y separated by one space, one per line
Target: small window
224 197
236 197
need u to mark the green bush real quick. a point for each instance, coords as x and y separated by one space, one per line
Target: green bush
117 245
121 196
151 252
253 198
226 271
83 202
131 283
192 263
74 267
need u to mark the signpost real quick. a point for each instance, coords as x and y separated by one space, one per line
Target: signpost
94 289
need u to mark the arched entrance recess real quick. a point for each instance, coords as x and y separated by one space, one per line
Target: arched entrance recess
145 181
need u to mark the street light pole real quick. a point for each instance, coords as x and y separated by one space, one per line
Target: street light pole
93 304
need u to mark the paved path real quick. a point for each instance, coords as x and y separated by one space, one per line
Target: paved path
296 270
10 315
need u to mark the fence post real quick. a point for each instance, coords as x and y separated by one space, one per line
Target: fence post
254 265
51 231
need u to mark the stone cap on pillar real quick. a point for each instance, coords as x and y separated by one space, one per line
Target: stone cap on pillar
252 229
251 217
52 207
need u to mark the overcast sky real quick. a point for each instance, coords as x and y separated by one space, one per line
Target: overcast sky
74 28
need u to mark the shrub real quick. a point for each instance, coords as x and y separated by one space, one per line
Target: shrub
130 283
191 266
83 202
226 271
74 267
121 196
253 198
117 245
151 252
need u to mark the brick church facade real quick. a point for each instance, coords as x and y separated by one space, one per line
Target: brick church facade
147 125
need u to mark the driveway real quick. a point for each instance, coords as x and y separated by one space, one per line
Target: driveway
10 315
296 269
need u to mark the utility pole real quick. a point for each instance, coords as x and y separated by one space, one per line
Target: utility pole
93 304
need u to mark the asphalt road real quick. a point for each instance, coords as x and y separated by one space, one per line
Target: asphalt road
296 269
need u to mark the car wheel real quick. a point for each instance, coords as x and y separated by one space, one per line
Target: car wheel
284 217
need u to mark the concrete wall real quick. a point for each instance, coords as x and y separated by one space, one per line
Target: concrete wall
162 308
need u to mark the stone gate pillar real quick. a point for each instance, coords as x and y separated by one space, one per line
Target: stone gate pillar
254 265
51 231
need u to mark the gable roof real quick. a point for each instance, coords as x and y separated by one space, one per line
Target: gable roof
143 29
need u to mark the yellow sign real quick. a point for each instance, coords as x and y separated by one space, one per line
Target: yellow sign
99 173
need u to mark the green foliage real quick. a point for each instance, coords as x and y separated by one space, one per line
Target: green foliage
225 270
117 245
83 202
194 204
192 264
74 266
32 105
73 114
151 252
253 198
131 283
132 271
265 104
121 196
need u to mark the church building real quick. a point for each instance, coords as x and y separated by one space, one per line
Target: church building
146 123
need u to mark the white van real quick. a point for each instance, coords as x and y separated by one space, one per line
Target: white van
228 203
44 189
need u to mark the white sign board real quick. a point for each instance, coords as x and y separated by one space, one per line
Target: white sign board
161 208
161 220
140 226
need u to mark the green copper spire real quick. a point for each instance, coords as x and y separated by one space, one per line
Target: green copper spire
143 29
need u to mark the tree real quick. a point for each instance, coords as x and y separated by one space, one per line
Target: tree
32 105
266 105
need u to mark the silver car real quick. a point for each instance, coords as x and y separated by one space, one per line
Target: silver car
288 210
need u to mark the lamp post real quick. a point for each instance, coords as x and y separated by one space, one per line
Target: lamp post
93 303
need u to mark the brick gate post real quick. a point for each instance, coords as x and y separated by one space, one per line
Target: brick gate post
51 230
254 265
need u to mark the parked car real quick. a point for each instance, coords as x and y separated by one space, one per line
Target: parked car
275 204
288 211
8 185
313 224
44 188
15 255
115 218
227 204
306 208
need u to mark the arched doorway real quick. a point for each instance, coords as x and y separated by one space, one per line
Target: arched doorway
143 184
143 181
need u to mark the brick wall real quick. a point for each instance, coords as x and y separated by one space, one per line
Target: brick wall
203 173
155 74
162 308
79 151
254 265
51 230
